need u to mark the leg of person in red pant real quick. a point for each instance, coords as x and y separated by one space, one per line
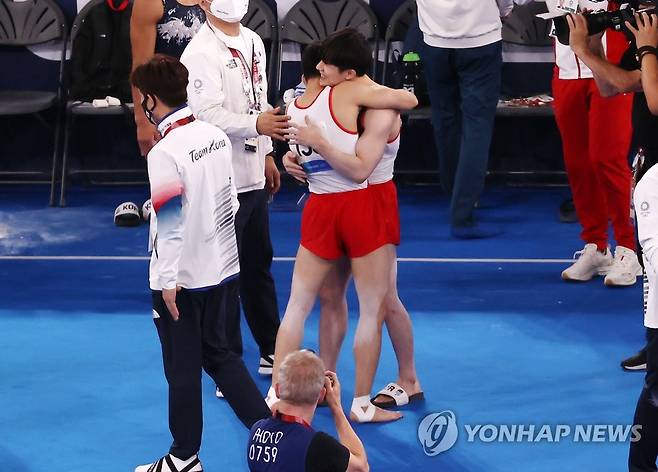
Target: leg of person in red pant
596 134
572 109
609 143
596 138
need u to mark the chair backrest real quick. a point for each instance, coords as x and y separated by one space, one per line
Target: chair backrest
401 21
397 28
30 22
261 19
101 57
523 27
313 20
81 17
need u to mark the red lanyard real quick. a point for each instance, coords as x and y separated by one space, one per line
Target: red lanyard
255 76
177 124
122 6
245 70
293 419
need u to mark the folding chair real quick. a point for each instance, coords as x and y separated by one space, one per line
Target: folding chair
396 30
75 109
27 23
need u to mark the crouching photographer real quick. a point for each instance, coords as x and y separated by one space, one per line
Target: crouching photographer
630 76
286 442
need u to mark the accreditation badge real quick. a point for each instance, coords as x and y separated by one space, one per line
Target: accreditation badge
569 6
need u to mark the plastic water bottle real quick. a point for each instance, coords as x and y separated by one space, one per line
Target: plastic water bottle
410 71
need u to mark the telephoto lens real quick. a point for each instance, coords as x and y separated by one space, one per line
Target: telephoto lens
596 23
599 22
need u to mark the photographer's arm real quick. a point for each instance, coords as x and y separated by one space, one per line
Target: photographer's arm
358 458
610 79
646 34
650 81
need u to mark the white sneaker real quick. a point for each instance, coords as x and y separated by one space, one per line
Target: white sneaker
218 393
170 463
266 365
589 262
625 268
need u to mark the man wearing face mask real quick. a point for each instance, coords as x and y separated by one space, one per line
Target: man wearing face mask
228 89
193 274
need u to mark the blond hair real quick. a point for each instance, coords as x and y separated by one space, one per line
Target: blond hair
301 377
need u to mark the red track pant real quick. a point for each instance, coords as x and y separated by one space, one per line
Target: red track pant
596 137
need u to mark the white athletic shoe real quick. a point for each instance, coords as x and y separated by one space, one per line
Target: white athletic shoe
589 262
218 393
170 463
625 268
266 365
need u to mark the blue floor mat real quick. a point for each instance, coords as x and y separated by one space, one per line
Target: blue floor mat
496 343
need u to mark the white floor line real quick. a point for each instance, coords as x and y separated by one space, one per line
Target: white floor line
431 260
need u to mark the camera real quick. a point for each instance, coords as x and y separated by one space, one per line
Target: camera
599 22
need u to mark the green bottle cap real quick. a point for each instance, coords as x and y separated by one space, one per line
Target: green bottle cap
411 57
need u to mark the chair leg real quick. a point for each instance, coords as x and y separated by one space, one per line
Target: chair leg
387 52
53 175
279 67
373 71
65 154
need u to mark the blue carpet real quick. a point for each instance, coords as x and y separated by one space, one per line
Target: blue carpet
82 385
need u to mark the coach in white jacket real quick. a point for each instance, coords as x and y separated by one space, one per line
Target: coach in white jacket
228 88
463 59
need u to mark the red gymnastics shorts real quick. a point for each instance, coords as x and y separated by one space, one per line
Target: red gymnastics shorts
344 223
386 198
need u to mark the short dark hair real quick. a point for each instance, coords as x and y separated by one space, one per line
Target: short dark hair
348 49
311 56
163 76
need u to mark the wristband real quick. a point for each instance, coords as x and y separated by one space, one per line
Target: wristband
643 51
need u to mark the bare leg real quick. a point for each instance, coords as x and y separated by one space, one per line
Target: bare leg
398 324
308 275
333 313
371 276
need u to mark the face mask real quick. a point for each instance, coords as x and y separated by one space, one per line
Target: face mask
231 11
148 112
